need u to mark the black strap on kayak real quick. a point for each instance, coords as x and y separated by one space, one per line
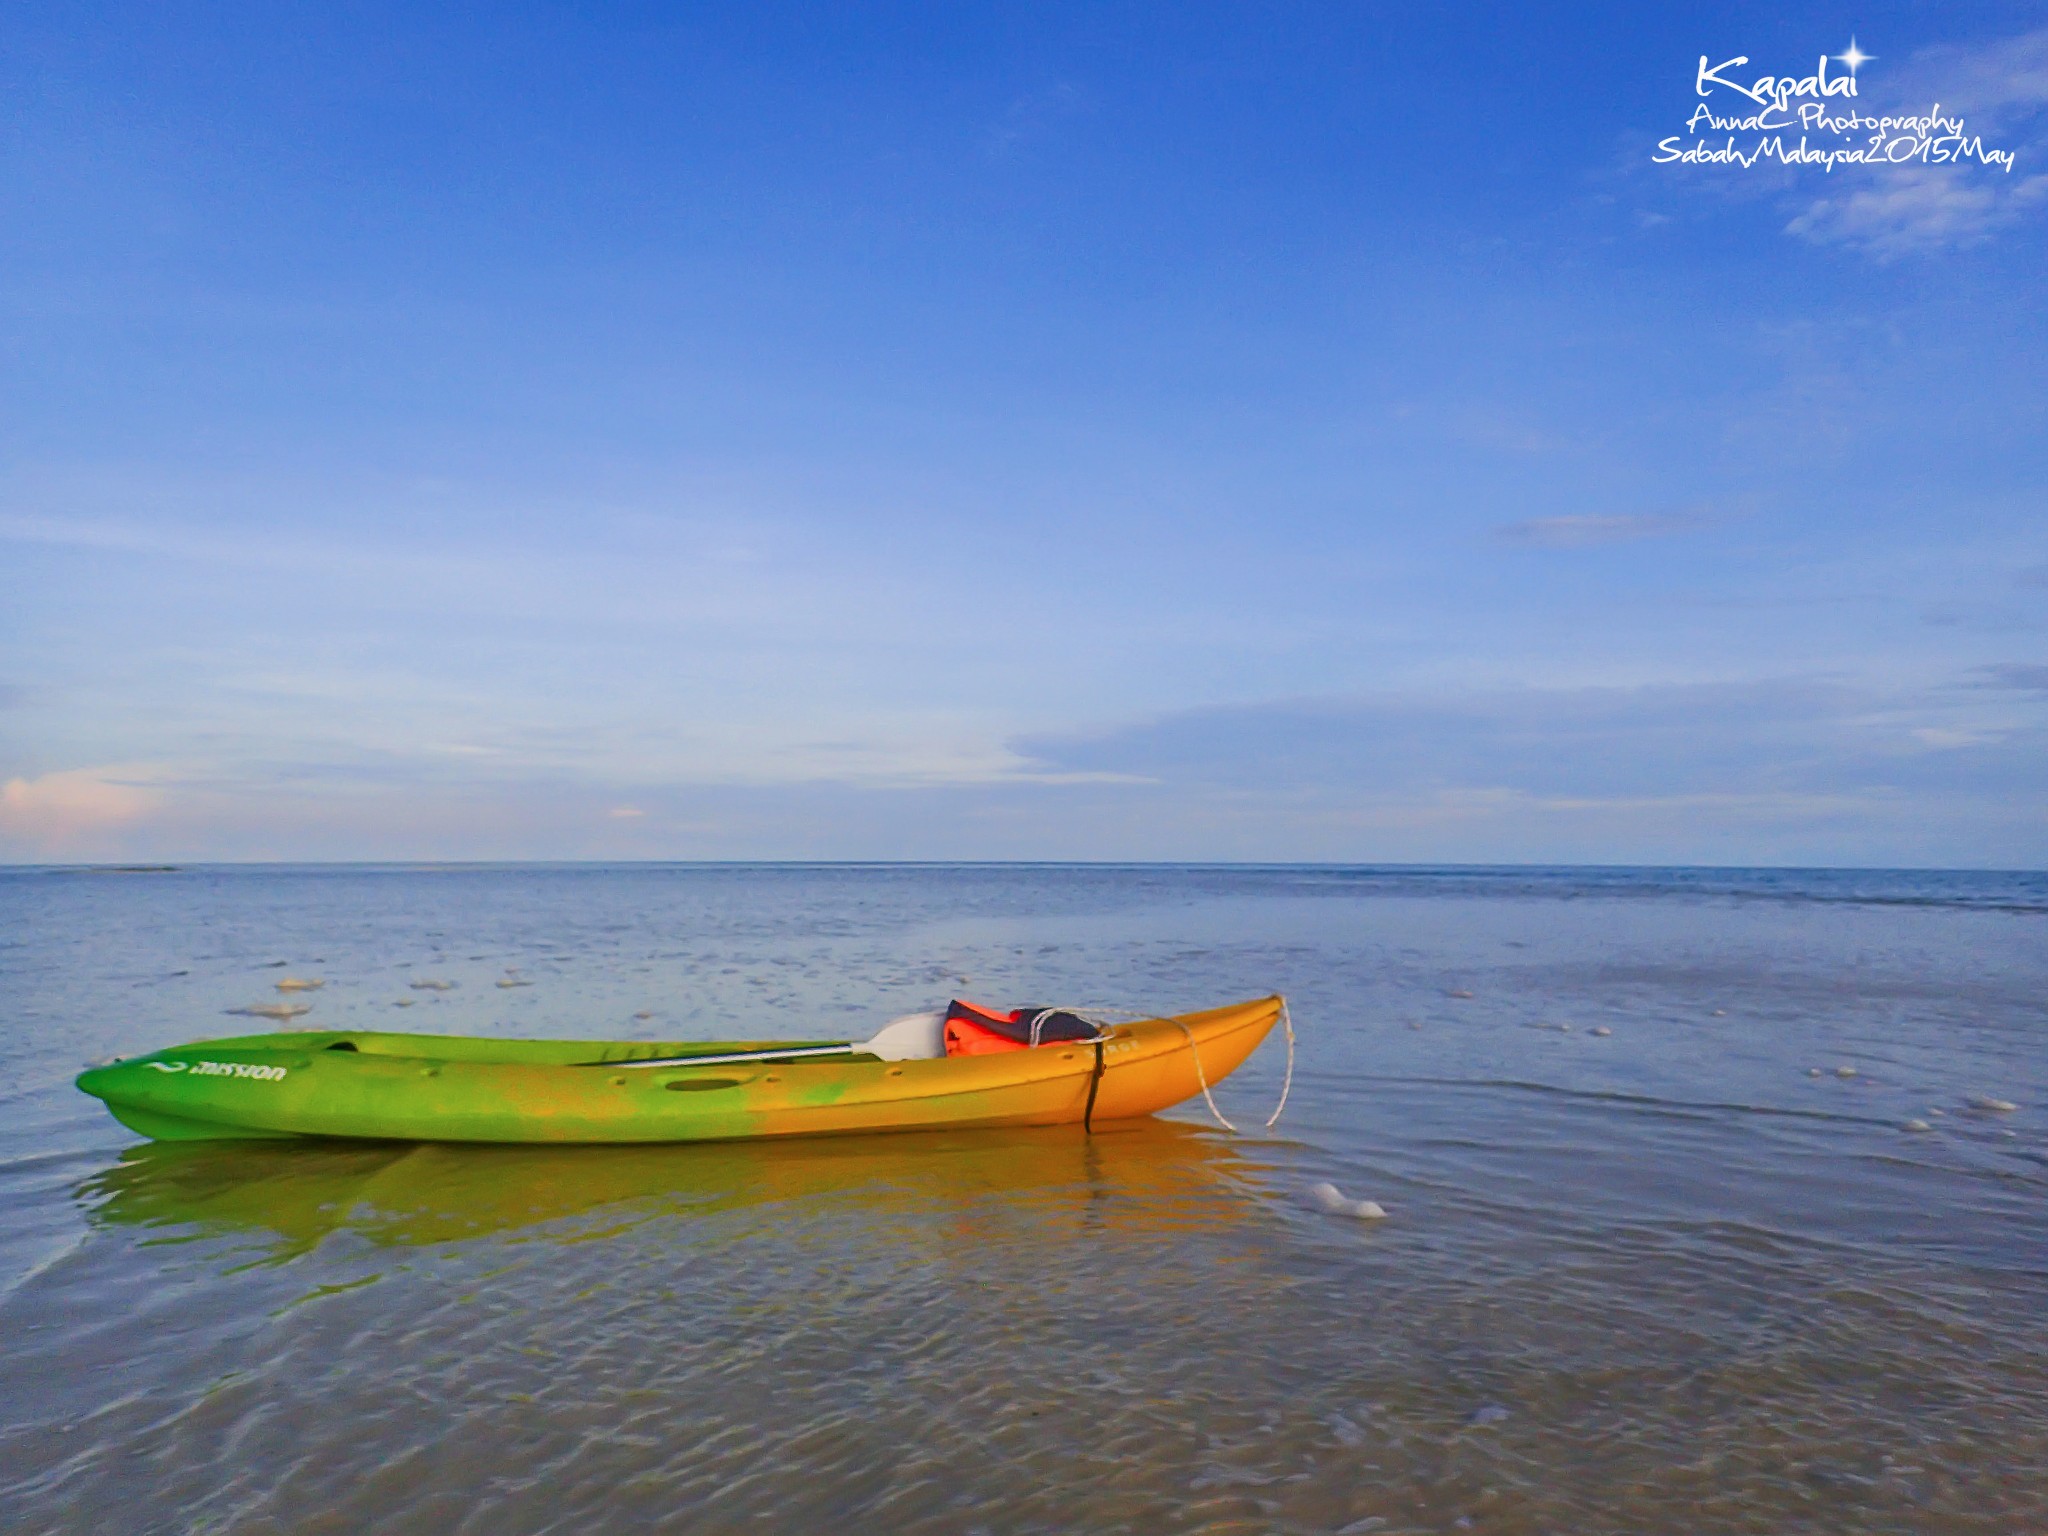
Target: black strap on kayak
1094 1082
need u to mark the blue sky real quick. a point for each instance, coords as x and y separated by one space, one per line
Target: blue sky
1310 432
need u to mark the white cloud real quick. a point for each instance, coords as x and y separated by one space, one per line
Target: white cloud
1996 84
1917 211
1998 90
58 811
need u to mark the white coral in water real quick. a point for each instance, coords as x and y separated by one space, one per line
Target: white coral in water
282 1012
1328 1197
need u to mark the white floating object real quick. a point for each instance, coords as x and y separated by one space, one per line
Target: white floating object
1845 1071
1457 992
1350 1436
1720 1013
1937 1113
300 984
432 986
1601 1030
1328 1197
513 981
405 1002
1996 1106
1916 1125
279 1011
1813 1072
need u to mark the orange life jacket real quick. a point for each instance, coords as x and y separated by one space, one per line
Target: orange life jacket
972 1030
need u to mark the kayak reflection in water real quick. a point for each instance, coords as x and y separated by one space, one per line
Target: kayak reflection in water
292 1196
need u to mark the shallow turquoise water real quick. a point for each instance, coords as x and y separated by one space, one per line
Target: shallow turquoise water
1660 1278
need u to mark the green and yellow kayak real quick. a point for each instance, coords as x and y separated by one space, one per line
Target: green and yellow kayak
377 1086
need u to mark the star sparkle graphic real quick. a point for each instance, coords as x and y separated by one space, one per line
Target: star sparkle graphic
1854 57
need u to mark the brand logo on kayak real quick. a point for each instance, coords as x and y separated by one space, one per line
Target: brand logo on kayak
222 1069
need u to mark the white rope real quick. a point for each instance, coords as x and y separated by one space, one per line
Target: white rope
1202 1078
1286 1084
1038 1023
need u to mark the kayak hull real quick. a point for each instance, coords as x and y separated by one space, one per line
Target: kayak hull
379 1086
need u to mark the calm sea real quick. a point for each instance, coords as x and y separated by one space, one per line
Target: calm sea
1662 1252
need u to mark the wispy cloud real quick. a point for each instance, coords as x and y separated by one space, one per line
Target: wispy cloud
1587 529
1919 211
1805 736
1998 84
1998 90
2019 676
1771 770
1034 116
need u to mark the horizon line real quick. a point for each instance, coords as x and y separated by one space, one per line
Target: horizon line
183 865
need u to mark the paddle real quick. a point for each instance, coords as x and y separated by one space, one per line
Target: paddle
789 1054
913 1037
